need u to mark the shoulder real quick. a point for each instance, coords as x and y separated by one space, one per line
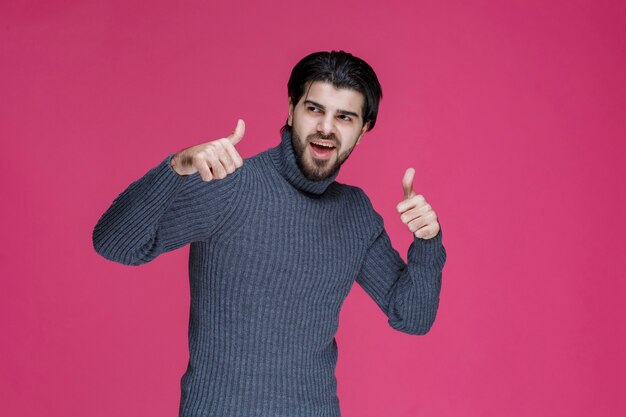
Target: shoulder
257 164
361 206
355 195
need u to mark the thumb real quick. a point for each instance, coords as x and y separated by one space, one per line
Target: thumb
237 134
407 183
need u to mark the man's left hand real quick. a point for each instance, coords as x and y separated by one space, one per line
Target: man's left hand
415 212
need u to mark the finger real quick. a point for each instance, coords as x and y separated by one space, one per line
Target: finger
230 148
416 200
409 215
226 161
204 170
416 224
216 166
237 134
423 232
407 183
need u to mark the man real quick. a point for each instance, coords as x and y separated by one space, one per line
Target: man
276 244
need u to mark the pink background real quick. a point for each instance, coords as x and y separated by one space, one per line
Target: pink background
512 113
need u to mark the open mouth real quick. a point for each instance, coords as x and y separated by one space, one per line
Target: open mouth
322 150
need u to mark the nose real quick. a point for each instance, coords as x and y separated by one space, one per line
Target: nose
325 125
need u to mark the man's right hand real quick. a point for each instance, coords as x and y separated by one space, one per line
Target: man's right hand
214 159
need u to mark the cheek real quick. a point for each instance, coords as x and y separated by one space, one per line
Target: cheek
301 124
348 139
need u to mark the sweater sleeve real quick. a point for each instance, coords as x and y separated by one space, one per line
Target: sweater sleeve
408 293
162 211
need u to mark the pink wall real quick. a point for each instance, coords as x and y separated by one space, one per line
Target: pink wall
512 115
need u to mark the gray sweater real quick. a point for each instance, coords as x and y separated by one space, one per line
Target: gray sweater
273 256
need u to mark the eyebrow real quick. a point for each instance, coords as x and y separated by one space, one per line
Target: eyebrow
346 112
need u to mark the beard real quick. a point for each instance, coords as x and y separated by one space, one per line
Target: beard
321 169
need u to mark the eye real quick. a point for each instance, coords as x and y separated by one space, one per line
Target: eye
345 117
313 109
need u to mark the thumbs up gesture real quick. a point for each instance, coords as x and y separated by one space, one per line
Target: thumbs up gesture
214 159
415 212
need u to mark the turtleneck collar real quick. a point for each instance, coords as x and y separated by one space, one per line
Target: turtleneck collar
284 158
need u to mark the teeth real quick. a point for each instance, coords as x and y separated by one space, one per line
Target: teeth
324 144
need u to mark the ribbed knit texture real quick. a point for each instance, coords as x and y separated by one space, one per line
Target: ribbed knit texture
273 256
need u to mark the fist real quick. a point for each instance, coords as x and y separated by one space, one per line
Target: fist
214 159
415 212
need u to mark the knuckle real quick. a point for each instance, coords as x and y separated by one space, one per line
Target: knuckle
196 159
221 153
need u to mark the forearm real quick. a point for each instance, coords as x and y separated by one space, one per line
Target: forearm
414 299
408 293
126 231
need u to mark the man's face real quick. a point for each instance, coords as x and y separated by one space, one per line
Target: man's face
325 115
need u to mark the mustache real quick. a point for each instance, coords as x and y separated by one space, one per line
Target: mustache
322 136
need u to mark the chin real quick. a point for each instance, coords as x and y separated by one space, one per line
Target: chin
319 175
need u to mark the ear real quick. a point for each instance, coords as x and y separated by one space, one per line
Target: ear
290 112
363 130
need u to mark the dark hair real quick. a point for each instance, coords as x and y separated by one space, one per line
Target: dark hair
342 70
